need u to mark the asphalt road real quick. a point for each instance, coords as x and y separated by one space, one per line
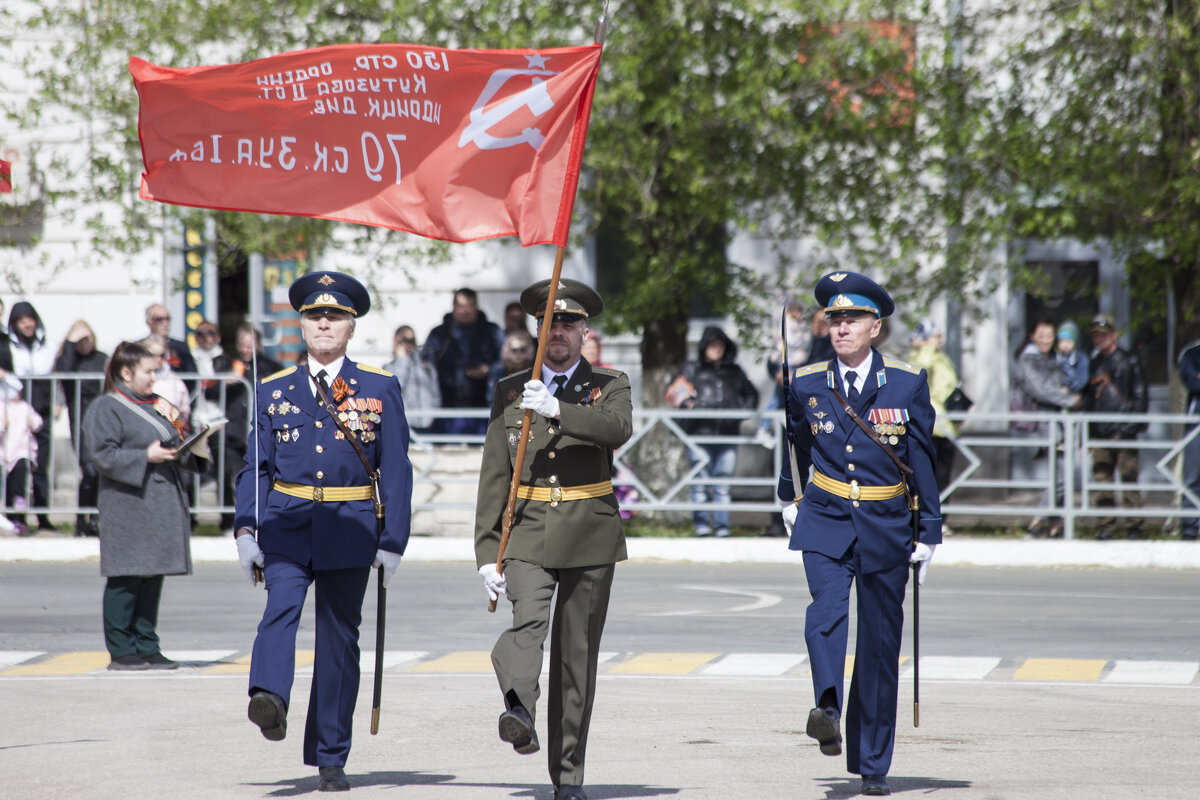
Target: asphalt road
694 736
965 611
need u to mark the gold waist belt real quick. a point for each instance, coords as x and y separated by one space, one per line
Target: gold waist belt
559 494
324 494
852 491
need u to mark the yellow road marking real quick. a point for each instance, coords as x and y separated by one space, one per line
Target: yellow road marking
462 661
663 663
1060 669
65 664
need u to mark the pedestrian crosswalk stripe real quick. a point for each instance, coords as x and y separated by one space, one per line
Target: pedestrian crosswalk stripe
16 657
751 664
64 664
394 658
1060 669
39 664
662 663
954 668
1165 672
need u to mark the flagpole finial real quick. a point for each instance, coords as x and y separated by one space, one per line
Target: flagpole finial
602 26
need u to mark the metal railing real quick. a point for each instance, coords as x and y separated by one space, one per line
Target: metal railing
662 462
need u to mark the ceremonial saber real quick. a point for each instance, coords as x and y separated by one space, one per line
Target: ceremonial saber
380 615
915 506
380 627
786 366
535 374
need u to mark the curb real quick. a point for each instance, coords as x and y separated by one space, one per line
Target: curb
956 551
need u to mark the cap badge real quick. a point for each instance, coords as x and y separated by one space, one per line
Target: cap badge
560 304
325 280
837 277
841 301
325 298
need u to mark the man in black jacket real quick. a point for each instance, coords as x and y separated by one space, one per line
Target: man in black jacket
465 350
719 383
79 354
1116 386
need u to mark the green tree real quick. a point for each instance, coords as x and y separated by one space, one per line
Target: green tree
916 151
1090 128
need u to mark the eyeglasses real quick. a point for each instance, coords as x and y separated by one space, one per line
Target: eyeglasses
408 341
206 332
161 319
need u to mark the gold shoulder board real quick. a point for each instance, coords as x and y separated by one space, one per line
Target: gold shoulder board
280 374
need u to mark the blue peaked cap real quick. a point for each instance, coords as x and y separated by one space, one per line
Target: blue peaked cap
841 292
325 289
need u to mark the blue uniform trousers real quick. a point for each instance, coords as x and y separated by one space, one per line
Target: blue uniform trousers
870 711
334 692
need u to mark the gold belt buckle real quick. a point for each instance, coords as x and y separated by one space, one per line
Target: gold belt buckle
555 496
855 491
319 494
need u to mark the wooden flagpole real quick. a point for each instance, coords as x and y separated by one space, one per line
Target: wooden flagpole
536 374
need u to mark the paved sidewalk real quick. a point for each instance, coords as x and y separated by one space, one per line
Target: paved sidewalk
184 737
960 550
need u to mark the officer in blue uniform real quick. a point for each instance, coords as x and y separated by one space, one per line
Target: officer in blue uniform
852 521
306 514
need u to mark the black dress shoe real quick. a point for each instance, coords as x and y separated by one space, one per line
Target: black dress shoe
159 661
333 779
516 727
569 793
129 662
267 711
875 785
824 725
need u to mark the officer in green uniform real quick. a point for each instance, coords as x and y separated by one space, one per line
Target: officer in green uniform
566 531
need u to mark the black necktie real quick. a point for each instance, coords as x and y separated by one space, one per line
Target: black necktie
852 392
322 380
559 382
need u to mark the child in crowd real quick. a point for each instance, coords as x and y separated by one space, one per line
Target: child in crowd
18 451
1071 360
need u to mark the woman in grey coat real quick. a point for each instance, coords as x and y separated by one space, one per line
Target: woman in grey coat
144 522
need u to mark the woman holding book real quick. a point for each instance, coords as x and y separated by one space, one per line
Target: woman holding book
131 435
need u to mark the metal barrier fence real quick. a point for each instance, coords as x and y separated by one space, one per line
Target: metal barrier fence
1004 474
65 393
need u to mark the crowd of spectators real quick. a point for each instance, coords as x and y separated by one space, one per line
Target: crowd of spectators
461 360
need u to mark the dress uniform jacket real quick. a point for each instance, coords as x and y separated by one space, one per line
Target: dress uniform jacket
596 416
895 401
299 443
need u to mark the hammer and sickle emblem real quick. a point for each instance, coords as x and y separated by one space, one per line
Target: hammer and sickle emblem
534 97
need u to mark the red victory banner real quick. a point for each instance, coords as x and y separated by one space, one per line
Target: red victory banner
5 177
457 145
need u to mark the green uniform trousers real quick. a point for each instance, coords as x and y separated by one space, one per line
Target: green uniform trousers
131 615
579 613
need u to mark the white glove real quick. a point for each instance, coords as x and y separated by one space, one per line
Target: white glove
790 510
493 582
537 397
389 561
250 554
923 554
